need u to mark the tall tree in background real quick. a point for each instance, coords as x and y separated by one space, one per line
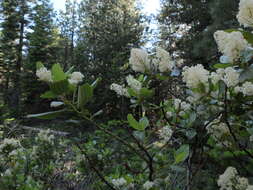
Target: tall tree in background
42 47
14 14
108 29
188 26
41 38
68 23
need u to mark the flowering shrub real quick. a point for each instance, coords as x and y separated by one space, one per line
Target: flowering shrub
178 142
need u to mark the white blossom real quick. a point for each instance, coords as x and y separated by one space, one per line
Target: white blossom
165 133
75 78
225 180
44 75
133 83
44 135
119 182
230 44
55 104
245 13
217 129
165 63
217 76
247 89
250 187
242 183
9 142
120 90
237 89
195 75
139 60
177 103
148 185
231 77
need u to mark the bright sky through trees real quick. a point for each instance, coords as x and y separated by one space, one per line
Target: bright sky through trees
149 6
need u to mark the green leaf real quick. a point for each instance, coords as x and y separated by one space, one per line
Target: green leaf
182 153
222 65
57 73
60 87
141 125
247 74
46 115
85 94
48 94
144 122
146 93
39 65
132 92
132 122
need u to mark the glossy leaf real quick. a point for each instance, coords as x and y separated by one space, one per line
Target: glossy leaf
57 73
85 94
48 94
181 154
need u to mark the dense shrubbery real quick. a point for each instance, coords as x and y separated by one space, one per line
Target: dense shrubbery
202 138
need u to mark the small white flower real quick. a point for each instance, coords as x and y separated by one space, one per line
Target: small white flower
148 185
165 133
195 75
133 83
244 15
120 90
247 89
55 104
139 60
119 182
237 89
230 44
44 75
76 77
231 77
164 60
225 180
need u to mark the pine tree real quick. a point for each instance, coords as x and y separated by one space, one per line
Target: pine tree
12 44
68 23
108 29
187 27
41 37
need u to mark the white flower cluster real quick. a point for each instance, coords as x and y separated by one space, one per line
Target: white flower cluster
75 78
245 13
148 185
133 83
44 75
44 135
229 76
195 75
164 61
120 90
119 182
230 44
139 60
217 129
9 142
230 180
165 133
246 89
